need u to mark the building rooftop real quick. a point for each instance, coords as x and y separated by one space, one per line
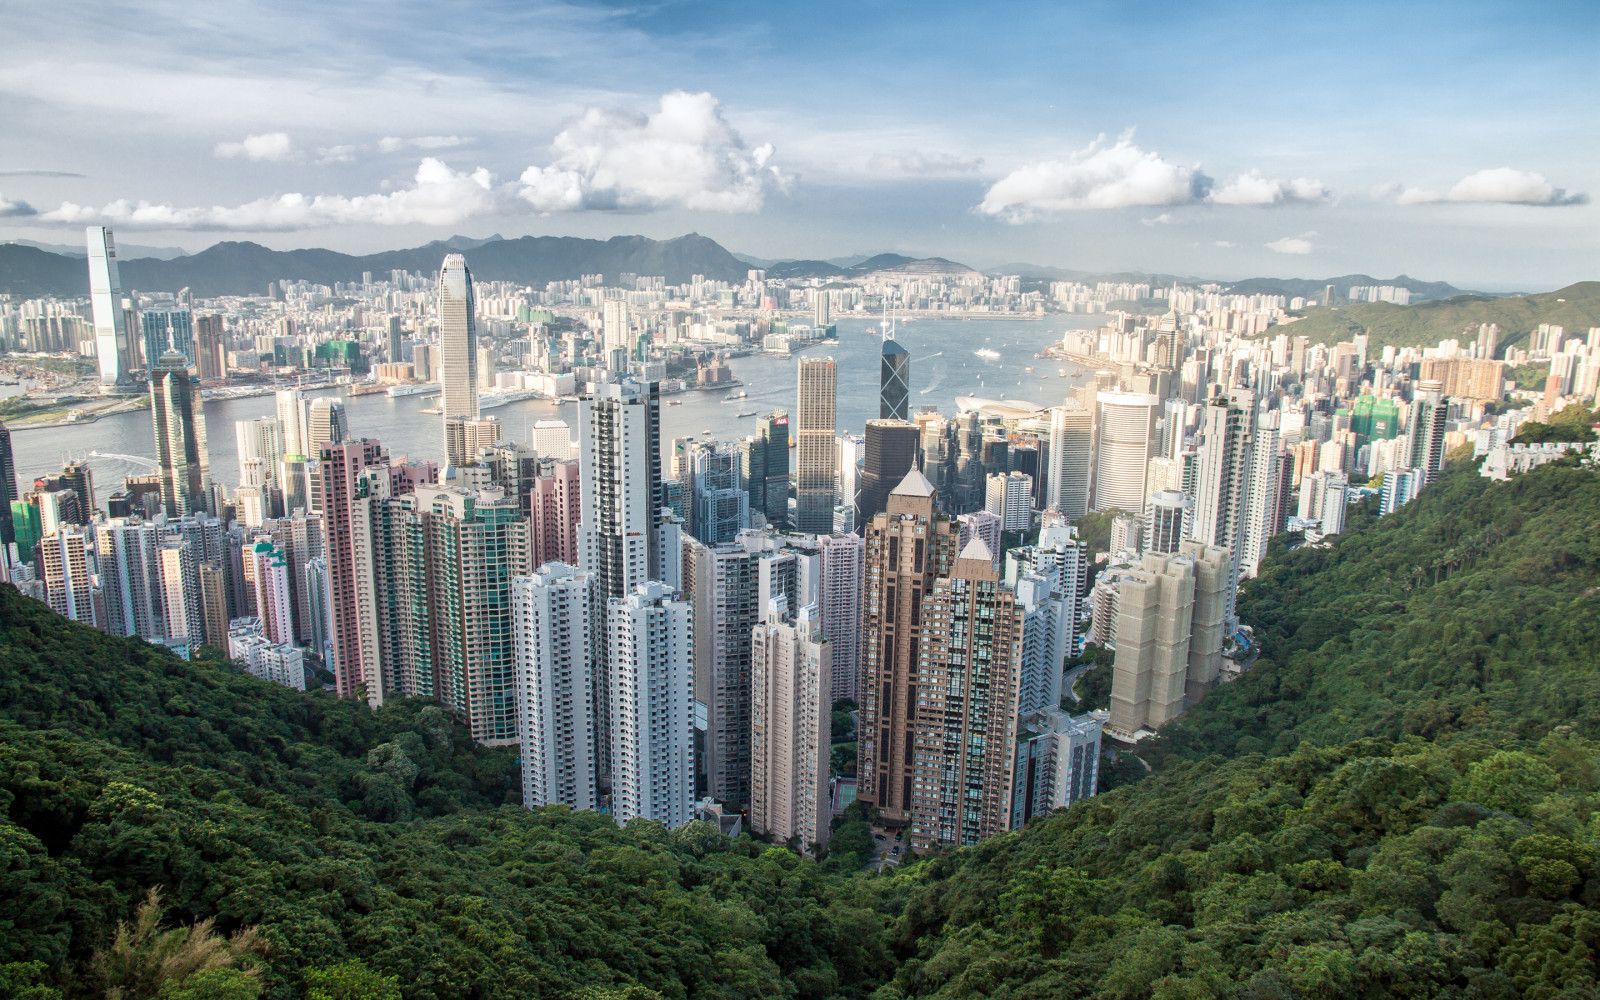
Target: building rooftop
915 484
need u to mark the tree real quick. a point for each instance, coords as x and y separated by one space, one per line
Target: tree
350 981
144 961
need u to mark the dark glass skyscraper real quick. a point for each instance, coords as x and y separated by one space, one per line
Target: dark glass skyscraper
180 426
8 490
894 385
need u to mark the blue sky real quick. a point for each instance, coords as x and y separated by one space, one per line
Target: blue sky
1448 141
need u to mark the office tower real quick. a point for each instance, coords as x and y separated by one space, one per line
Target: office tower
1011 498
1429 411
791 667
512 466
65 559
614 321
425 362
326 423
180 592
967 683
180 431
485 368
840 573
464 437
767 469
1071 459
1222 482
274 600
1058 762
458 347
1168 634
814 446
1165 518
58 509
890 451
894 383
650 660
79 478
555 623
112 340
167 330
819 306
475 545
349 548
8 494
556 507
967 494
724 589
907 548
1265 515
210 348
394 339
260 439
719 507
851 451
619 452
1126 440
937 450
130 577
552 439
292 420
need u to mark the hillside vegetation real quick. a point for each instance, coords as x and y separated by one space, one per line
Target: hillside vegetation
1402 798
1426 323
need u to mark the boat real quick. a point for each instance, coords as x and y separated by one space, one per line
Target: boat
985 352
707 433
747 413
1062 372
672 402
432 411
1028 369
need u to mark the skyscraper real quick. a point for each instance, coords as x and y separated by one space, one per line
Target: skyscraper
180 431
349 549
769 492
907 548
1264 511
724 587
556 507
112 339
790 725
167 330
1222 482
814 446
8 493
1428 413
967 679
458 346
1071 458
555 624
650 660
889 453
1126 432
839 600
894 383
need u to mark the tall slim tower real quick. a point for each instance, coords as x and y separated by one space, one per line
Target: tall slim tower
180 429
908 547
839 598
349 549
111 336
1222 484
652 665
8 493
790 725
1126 434
814 446
1071 476
894 383
554 626
458 346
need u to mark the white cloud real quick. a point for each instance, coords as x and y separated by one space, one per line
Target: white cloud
1499 185
1096 177
684 154
267 146
1253 189
393 143
14 208
926 163
1165 218
1224 243
438 196
336 154
1292 244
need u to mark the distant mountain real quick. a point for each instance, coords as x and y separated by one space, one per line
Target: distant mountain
241 268
1576 307
125 251
1421 291
883 263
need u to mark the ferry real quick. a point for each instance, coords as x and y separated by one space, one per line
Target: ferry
1028 369
747 413
411 389
985 352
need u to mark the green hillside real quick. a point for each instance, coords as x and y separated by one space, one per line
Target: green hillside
1426 323
1402 798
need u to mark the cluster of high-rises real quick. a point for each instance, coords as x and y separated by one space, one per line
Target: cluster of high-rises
656 624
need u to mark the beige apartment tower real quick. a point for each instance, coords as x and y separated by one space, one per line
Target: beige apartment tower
791 665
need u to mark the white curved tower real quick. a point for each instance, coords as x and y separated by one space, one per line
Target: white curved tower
1126 432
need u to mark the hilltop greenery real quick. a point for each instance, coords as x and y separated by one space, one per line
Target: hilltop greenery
1401 798
1424 324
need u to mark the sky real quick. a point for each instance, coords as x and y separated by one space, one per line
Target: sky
1448 141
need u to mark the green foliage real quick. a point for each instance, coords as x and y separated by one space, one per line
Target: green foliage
1530 376
1424 324
1570 423
350 981
26 981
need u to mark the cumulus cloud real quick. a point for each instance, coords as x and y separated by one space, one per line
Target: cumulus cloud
267 146
14 208
684 154
336 154
927 163
1096 177
1165 218
1292 244
1500 185
438 196
393 144
1253 189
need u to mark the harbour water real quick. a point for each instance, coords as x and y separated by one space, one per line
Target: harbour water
944 365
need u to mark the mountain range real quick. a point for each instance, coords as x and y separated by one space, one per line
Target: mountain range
244 268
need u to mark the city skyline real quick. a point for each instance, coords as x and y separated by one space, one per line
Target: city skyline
1393 139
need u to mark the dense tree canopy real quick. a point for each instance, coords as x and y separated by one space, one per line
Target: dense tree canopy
1401 798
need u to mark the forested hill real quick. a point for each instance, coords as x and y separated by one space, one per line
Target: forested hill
1400 799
